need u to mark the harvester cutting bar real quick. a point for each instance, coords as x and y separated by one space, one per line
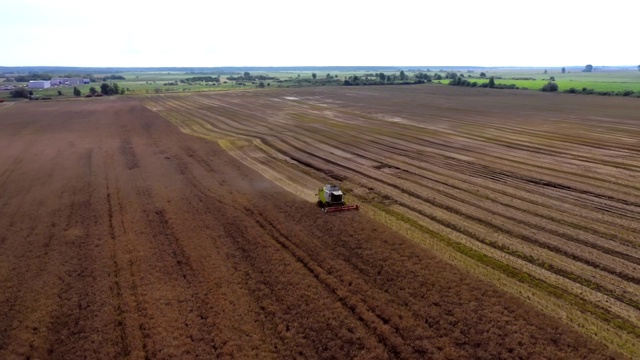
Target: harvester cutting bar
341 208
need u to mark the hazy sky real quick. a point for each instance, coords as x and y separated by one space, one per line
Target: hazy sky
318 33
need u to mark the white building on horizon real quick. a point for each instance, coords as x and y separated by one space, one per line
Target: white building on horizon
39 84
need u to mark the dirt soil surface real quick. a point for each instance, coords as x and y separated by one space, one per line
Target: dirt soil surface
122 237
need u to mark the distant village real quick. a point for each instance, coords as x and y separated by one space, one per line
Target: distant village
54 82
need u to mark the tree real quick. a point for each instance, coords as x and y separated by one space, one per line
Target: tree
483 75
638 67
93 91
550 87
492 83
328 76
59 93
382 77
106 89
314 76
564 70
261 84
76 91
588 68
552 78
545 71
20 92
402 75
112 89
246 75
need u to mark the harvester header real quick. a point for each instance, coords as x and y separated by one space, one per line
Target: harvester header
332 199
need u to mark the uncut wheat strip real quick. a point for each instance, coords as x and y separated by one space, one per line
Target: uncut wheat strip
612 304
569 145
462 189
523 245
451 170
418 159
594 167
614 176
563 138
560 221
540 218
472 122
466 169
557 172
491 155
607 281
543 124
533 194
520 231
548 169
582 136
629 313
625 200
591 295
486 160
549 304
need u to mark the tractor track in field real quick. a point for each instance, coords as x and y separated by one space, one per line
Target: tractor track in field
117 287
394 342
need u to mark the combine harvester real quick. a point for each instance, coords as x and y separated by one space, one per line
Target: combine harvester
331 199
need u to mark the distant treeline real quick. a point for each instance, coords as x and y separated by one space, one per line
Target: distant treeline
114 77
30 77
246 76
586 91
201 78
390 79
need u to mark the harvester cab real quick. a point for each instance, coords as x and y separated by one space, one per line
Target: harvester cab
332 199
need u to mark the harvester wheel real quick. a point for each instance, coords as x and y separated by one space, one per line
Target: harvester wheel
319 203
326 204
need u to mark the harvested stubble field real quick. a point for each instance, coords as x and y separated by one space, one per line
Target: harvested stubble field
121 236
537 193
